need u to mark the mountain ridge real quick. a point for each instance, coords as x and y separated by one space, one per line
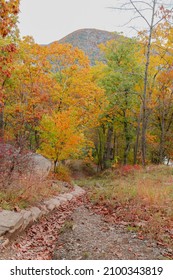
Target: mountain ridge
88 39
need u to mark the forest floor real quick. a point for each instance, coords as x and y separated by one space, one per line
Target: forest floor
88 228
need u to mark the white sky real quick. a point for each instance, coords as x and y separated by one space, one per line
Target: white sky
51 20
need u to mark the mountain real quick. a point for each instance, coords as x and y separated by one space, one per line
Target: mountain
88 41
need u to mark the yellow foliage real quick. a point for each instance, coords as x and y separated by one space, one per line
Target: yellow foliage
60 135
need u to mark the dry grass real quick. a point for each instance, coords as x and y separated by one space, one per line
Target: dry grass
28 190
137 196
21 184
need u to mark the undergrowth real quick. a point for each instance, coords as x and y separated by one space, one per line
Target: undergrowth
25 191
142 199
63 173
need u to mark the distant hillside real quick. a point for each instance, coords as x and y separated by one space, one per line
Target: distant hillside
88 40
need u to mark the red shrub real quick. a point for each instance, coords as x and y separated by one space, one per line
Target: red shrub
128 169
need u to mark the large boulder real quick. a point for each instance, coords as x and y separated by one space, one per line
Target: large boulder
15 161
38 165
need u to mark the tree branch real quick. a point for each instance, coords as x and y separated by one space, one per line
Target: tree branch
139 12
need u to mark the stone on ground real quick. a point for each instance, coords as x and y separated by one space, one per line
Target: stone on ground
10 221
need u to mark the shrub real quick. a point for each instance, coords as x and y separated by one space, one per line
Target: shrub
128 169
63 173
12 164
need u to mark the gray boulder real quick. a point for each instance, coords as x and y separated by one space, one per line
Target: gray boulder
38 165
10 221
15 161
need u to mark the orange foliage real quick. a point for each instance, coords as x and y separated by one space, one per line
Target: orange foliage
8 14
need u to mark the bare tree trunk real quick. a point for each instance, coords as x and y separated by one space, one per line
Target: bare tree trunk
144 101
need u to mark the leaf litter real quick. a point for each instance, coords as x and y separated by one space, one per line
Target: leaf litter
38 241
80 230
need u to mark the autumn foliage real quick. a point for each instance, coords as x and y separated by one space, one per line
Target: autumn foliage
53 101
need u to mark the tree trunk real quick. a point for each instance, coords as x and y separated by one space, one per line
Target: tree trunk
114 145
162 136
108 147
37 142
136 146
101 147
55 163
126 131
127 142
144 101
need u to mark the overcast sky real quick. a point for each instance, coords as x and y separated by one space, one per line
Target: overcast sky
51 20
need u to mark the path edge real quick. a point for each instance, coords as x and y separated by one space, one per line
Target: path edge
12 223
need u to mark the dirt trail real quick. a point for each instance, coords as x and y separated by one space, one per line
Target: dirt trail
87 236
75 232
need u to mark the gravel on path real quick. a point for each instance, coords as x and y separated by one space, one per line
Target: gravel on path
85 235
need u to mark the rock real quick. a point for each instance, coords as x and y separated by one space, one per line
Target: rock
62 184
27 216
78 191
69 196
38 165
43 209
3 230
10 221
4 242
28 163
36 213
62 198
52 203
50 206
58 203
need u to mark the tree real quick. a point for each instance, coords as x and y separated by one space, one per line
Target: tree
8 15
157 14
162 117
8 19
159 85
78 90
60 136
121 77
29 94
47 81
